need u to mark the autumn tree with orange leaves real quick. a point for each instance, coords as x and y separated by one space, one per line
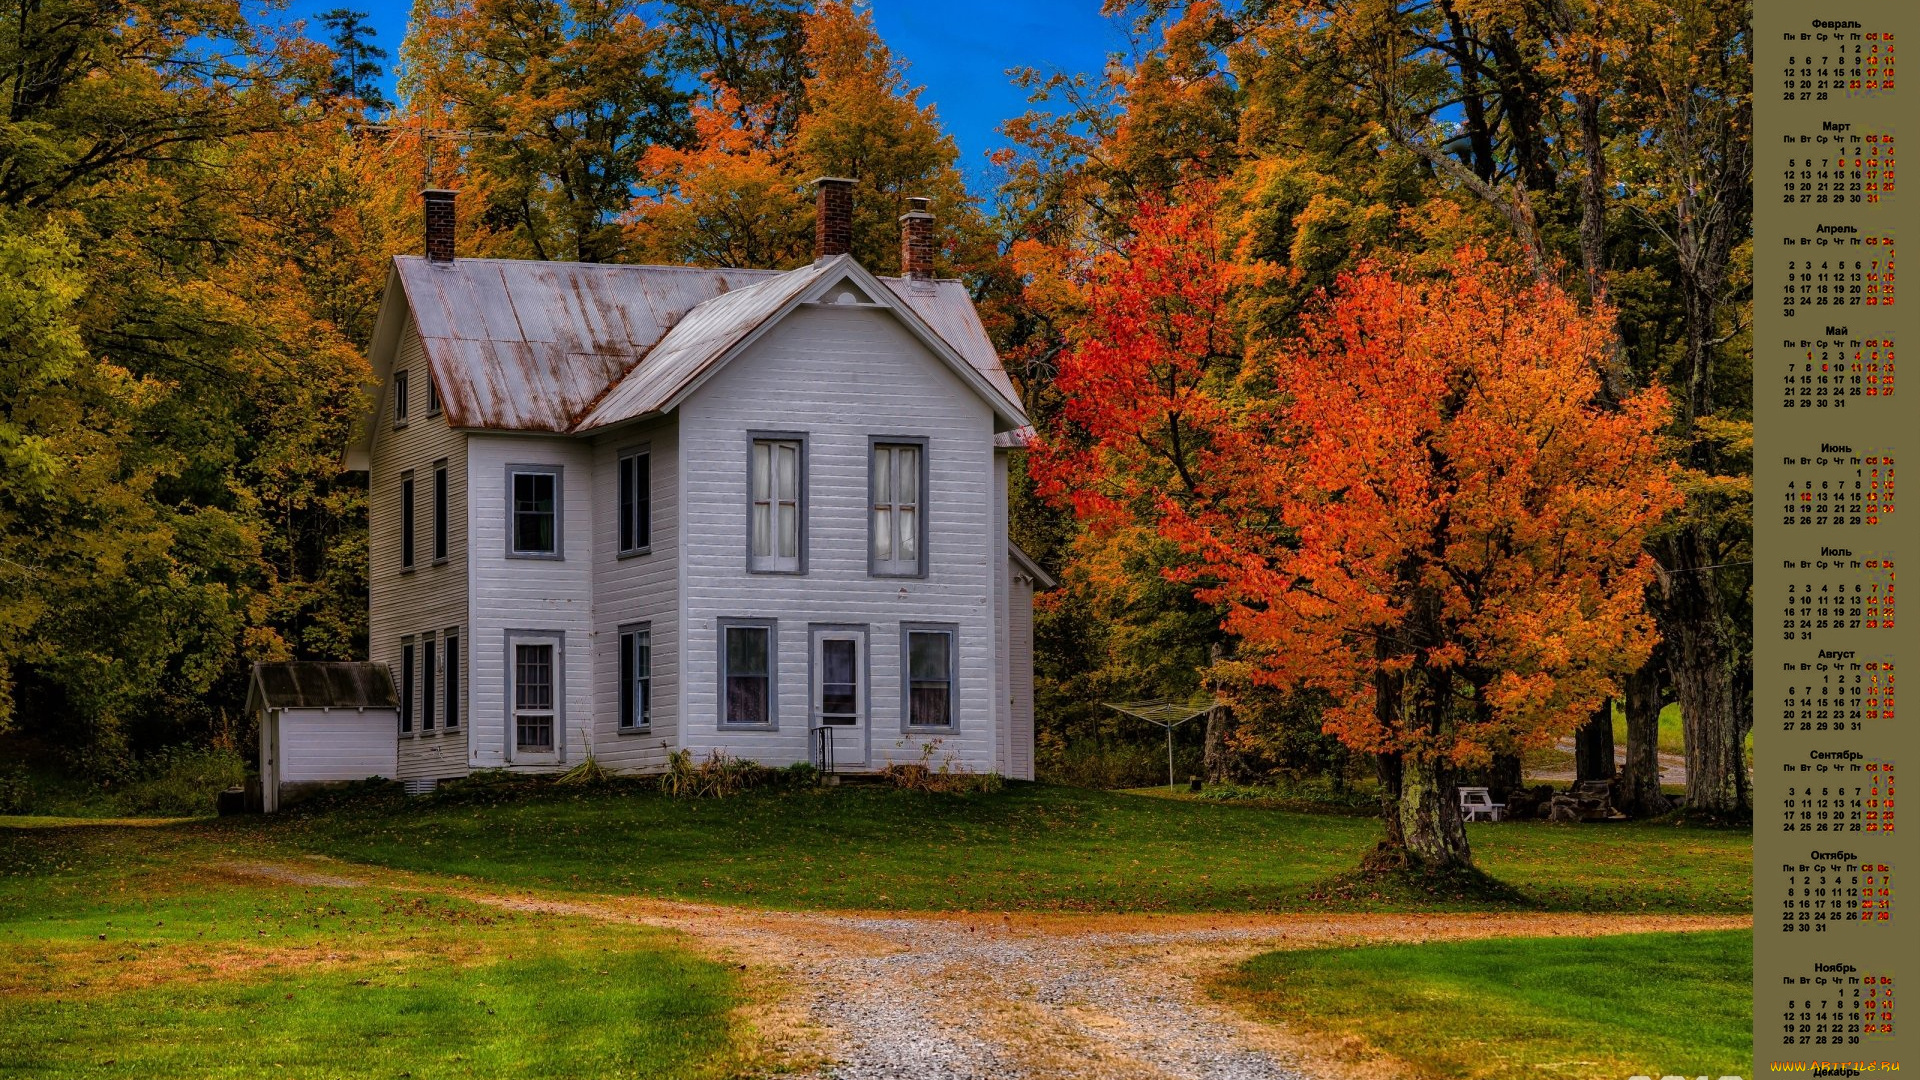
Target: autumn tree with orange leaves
1414 507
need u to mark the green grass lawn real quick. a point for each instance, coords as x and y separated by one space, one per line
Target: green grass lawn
1027 847
1671 739
1600 1008
125 951
136 949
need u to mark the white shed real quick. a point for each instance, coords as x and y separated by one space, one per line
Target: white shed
322 724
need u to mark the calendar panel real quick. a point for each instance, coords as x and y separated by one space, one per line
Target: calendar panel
1827 538
1837 1004
1838 693
1830 888
1836 592
1835 67
1839 269
1838 486
1837 791
1840 167
1837 372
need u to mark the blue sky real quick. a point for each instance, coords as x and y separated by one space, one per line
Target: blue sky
959 52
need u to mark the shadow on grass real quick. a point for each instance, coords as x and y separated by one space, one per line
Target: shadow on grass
1389 874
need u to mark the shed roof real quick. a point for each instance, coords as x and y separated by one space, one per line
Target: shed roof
1041 579
564 347
316 684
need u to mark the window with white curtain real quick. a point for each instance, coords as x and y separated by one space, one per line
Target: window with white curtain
896 527
776 526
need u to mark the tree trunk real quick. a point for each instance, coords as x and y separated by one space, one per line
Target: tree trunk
1638 792
1700 658
1417 799
1431 828
1218 763
1593 745
1388 768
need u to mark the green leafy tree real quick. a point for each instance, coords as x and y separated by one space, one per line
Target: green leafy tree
561 101
358 63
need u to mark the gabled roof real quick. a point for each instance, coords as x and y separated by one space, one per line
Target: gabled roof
719 328
315 684
697 342
520 345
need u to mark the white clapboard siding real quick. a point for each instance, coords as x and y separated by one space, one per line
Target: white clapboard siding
840 374
336 744
1020 654
430 599
640 588
1002 654
544 595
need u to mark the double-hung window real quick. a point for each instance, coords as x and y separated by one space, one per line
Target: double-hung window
451 680
406 521
534 694
929 681
433 396
406 686
400 398
440 511
429 665
533 492
636 502
636 678
747 674
897 528
776 480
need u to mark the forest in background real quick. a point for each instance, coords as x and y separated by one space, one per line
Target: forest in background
196 216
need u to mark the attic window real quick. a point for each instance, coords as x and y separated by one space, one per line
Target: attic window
400 398
433 396
847 293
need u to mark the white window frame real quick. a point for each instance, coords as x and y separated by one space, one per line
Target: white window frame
773 562
557 706
952 633
883 497
634 670
722 655
558 473
400 405
633 522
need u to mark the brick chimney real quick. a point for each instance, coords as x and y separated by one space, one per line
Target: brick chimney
439 205
916 240
833 217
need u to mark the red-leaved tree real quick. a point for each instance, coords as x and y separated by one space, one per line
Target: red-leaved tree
1415 506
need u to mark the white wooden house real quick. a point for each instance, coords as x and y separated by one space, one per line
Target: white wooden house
623 510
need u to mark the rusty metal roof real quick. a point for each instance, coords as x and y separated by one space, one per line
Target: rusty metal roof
544 346
525 345
315 684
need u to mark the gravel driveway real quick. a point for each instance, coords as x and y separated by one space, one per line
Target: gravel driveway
859 996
